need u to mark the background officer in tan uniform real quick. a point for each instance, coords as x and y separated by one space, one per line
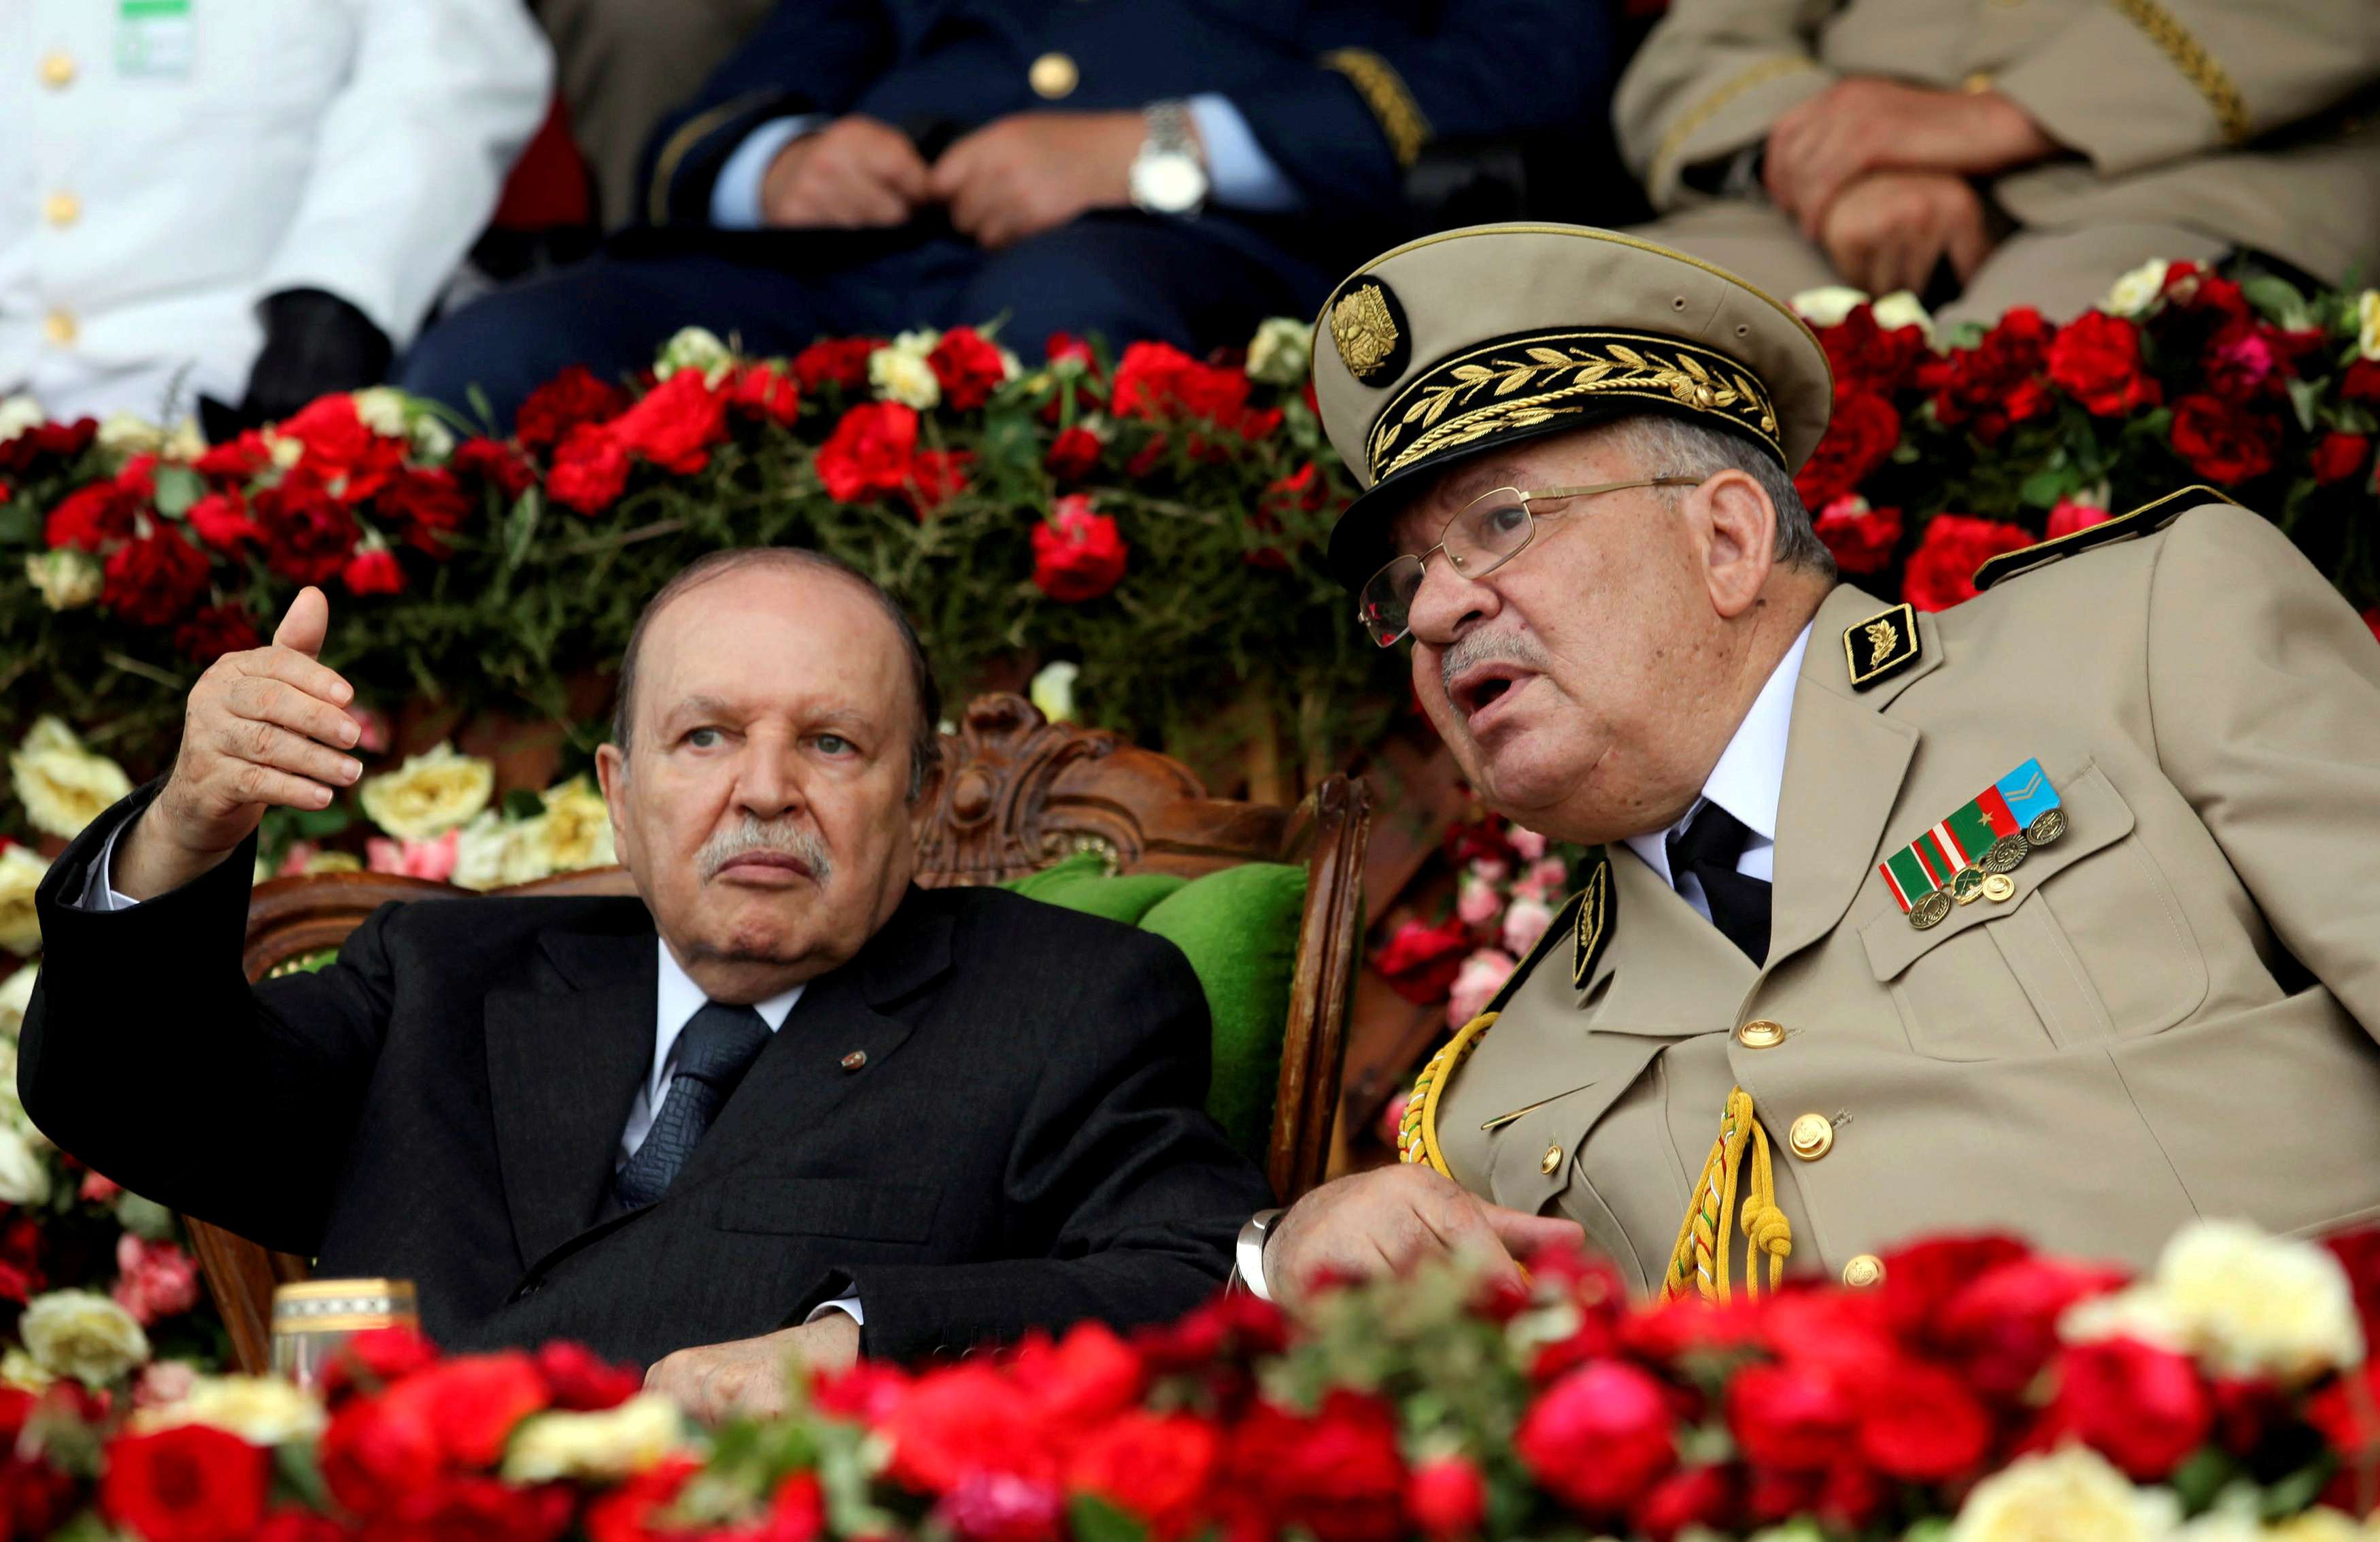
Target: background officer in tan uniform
2158 1006
2037 147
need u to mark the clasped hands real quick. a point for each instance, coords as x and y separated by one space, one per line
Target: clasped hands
1876 173
1011 180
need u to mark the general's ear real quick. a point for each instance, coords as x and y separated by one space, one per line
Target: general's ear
1737 526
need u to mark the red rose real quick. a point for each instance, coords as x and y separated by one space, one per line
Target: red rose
292 1525
1859 437
2359 1251
955 1424
2069 517
154 580
1085 1377
186 1483
839 361
1077 555
2224 442
462 1509
1159 382
338 445
2097 360
1155 1467
1792 1418
675 424
62 442
307 532
1699 1497
2361 381
562 403
20 1275
1922 1278
1599 1437
869 453
1995 383
765 393
1337 1474
1420 961
867 1392
425 506
212 631
374 571
233 462
1074 455
935 478
797 1514
590 470
220 520
494 464
581 1380
2002 1328
2243 364
1000 1507
1862 539
1447 1498
2347 1412
2337 456
1866 358
1941 572
2144 1409
474 1403
1063 347
90 518
1926 1427
374 1359
969 367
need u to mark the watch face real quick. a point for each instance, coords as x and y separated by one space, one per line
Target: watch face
1168 184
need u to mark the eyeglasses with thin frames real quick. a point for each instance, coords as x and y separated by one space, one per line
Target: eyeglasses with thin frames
1483 535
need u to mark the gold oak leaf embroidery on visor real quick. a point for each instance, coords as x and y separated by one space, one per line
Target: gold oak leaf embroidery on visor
1527 382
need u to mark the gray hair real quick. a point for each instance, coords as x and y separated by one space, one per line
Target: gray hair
1667 445
925 739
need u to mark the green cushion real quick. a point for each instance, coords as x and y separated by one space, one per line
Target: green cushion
1238 928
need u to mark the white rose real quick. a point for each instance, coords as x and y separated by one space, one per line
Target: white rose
901 374
2135 292
2320 1525
611 1443
286 452
20 1370
1052 691
263 1411
2255 1305
24 1177
1900 308
2367 318
2221 1525
428 795
1281 351
184 442
20 926
1826 306
2139 1313
480 850
694 348
126 434
82 1334
62 786
12 1113
16 997
18 413
2072 1495
68 578
431 439
524 856
382 409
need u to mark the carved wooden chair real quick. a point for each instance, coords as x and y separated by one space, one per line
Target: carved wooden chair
1017 794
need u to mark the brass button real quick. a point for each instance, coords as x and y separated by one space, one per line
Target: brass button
1977 83
855 1060
58 71
1864 1271
1551 1160
1813 1136
60 328
1999 887
1761 1034
62 208
1053 75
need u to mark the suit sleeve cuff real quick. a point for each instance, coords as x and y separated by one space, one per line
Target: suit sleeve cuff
1238 174
99 887
735 195
848 1305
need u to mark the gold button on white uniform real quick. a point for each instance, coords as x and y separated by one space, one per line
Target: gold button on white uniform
1977 83
1551 1160
1864 1271
1761 1034
1053 75
59 328
1813 1136
62 208
58 71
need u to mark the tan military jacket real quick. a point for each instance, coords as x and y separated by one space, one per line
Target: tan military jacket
2170 1017
2253 120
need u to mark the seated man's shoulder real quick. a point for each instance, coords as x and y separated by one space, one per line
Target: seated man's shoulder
508 926
1023 933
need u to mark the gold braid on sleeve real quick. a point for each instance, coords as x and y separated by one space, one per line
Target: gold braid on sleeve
1383 90
2197 65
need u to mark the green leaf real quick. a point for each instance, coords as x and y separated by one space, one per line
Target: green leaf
522 804
520 526
1094 1520
2305 395
2300 1489
178 488
2278 300
144 1217
2044 487
2202 1477
315 824
20 523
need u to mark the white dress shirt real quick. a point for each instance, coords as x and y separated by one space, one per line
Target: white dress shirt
1746 783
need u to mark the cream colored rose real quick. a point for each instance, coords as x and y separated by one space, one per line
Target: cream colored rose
82 1334
2367 322
2070 1495
694 348
286 452
16 997
2321 1524
608 1444
24 1176
18 413
1900 308
480 850
20 1370
382 409
899 371
433 440
124 434
2135 292
263 1411
20 925
1829 305
2248 1304
184 441
62 786
576 829
1053 690
68 578
1282 352
428 795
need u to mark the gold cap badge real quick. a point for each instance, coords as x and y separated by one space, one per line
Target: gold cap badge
1367 323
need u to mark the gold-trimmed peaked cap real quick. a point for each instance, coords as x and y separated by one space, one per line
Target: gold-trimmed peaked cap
1463 341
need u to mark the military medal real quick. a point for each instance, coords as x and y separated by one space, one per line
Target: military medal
1969 855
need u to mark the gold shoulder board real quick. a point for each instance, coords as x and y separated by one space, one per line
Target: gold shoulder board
2139 522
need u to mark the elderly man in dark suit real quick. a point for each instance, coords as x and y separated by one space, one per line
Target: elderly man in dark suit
789 1104
1160 169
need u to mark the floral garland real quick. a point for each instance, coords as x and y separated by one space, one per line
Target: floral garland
1981 1393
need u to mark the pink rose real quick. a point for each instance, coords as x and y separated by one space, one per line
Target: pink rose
1524 921
156 1280
163 1383
1490 870
430 859
294 860
99 1188
2069 517
1482 975
1478 902
1527 844
374 726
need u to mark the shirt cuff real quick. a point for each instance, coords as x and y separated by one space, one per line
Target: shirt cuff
1238 174
735 193
848 1305
98 891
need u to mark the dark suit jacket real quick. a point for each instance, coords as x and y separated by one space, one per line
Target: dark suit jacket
1344 96
1024 1146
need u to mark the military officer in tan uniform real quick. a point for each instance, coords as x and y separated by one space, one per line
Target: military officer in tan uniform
2057 912
2035 148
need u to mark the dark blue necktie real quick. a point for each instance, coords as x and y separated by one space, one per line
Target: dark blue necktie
1709 847
713 1051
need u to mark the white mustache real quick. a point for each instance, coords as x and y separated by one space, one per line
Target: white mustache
754 834
1488 647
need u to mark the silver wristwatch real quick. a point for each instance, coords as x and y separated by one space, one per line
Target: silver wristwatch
1169 177
1249 1253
